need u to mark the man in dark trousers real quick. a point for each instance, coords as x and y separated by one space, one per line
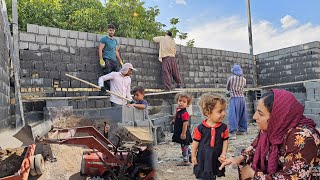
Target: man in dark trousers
237 113
110 59
167 54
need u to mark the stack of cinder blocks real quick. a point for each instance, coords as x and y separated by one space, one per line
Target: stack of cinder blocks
312 105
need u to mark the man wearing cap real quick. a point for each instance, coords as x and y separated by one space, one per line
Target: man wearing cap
120 83
167 54
110 59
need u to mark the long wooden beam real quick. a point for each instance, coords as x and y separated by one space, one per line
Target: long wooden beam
89 97
290 83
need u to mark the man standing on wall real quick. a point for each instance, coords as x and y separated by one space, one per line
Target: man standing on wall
237 114
167 53
120 84
110 59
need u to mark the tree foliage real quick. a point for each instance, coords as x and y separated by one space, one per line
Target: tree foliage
190 43
130 17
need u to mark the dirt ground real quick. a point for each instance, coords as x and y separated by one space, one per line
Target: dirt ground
66 162
66 166
169 155
68 158
11 160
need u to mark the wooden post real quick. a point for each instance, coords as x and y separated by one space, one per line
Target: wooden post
16 68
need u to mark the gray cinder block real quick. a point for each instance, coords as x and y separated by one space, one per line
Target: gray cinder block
23 45
92 37
90 44
81 43
132 42
43 30
51 40
33 28
41 39
138 42
64 33
27 37
62 41
74 34
53 31
83 35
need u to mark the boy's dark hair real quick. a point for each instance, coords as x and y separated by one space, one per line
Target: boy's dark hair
111 26
139 89
169 33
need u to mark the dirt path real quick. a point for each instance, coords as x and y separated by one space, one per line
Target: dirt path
67 165
169 156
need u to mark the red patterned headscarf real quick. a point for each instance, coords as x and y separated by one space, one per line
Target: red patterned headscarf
286 113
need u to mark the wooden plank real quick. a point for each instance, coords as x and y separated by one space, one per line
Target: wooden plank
290 83
30 99
162 93
215 89
190 90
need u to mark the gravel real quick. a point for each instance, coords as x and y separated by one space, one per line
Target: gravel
169 156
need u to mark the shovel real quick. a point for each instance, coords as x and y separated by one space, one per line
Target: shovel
95 86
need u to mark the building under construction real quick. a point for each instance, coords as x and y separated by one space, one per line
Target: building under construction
45 93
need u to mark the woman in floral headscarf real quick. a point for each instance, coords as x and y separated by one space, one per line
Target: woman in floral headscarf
288 145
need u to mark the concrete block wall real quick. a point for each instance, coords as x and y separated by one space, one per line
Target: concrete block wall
312 105
5 116
296 63
210 68
46 54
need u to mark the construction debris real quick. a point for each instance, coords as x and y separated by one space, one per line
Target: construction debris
11 160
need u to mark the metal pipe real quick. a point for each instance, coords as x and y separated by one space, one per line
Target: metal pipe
251 44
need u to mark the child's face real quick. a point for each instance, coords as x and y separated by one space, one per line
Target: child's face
182 102
138 96
218 113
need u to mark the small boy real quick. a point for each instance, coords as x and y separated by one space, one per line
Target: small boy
138 95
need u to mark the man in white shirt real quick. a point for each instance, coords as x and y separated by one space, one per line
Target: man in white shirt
120 83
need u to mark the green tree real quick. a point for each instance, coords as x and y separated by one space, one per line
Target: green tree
183 36
176 32
131 18
82 15
190 43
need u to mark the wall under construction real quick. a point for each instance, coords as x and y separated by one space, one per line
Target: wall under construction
296 63
5 117
46 54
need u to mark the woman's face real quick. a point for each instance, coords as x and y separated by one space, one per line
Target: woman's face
262 115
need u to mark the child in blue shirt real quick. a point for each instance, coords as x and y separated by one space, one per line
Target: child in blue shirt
138 96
